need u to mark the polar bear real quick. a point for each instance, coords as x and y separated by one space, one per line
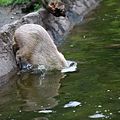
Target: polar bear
33 44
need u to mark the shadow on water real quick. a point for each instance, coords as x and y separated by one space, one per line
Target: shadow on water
93 92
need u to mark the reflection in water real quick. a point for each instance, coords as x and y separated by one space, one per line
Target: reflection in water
8 89
38 90
29 92
38 93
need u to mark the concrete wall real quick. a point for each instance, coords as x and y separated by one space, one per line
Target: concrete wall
57 27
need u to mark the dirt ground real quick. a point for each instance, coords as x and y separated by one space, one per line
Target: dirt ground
8 15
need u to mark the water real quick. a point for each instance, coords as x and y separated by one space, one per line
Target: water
92 92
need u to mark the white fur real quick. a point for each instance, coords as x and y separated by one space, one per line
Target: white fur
37 47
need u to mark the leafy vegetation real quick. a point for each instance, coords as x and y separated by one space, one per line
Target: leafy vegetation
37 6
19 2
5 2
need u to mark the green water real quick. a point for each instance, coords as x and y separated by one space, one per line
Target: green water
95 46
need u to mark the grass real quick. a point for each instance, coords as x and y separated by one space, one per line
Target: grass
5 2
17 2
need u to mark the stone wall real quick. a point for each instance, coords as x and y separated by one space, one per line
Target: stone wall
57 27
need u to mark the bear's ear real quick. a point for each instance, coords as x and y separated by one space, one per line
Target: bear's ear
15 49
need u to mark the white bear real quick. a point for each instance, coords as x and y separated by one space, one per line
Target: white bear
35 45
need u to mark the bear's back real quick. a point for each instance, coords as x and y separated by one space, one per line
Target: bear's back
40 48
